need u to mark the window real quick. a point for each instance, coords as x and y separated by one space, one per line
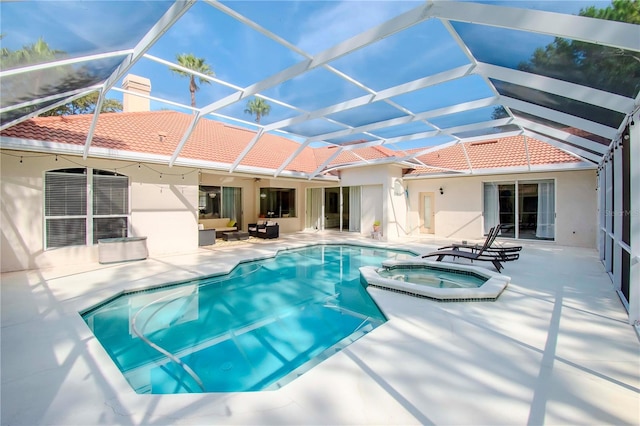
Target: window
277 202
524 209
84 205
210 201
220 201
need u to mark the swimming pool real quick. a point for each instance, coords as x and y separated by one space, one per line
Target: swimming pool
257 328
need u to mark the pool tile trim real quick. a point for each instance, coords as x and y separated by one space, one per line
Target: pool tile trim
490 290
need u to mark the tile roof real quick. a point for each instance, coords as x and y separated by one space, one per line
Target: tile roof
493 153
159 132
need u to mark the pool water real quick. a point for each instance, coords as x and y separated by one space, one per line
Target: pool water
432 277
257 328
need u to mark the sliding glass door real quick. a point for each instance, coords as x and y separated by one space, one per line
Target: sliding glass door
524 209
333 208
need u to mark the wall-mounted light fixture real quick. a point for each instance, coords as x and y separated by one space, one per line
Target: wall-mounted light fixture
398 189
441 191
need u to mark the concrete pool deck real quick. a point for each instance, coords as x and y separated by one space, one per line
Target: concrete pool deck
555 348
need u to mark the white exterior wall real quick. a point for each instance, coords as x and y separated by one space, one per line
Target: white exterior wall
458 212
162 208
378 199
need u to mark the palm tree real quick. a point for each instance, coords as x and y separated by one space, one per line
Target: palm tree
188 60
258 107
30 54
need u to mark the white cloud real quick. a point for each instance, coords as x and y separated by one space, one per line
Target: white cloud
339 21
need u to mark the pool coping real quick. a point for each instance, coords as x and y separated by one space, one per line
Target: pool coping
489 291
420 367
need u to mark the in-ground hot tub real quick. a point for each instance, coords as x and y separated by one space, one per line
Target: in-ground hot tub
435 280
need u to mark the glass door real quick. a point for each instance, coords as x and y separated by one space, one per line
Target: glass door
232 204
314 209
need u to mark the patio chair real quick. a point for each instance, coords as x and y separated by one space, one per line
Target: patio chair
268 230
482 254
489 244
253 228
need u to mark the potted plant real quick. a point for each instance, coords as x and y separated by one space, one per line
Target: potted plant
376 226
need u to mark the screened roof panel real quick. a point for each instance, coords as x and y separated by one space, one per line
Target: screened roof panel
228 45
14 114
600 67
355 138
554 125
472 116
571 7
560 103
367 114
346 71
50 81
174 87
387 64
315 89
319 25
403 129
488 131
276 113
457 91
421 143
72 29
315 127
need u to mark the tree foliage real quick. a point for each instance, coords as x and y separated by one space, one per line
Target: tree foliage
29 54
50 81
602 67
258 107
190 61
85 105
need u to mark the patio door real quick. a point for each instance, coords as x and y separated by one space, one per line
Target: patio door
427 213
232 204
314 208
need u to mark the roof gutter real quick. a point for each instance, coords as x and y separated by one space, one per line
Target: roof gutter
562 167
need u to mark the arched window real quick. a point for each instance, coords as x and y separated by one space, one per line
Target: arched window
82 206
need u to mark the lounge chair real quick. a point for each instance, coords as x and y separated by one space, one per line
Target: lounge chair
490 246
483 253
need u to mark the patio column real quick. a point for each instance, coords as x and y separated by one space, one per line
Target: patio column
634 272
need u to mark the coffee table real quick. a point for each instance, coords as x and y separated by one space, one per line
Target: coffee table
235 236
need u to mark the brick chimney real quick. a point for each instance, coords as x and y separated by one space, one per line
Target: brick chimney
136 84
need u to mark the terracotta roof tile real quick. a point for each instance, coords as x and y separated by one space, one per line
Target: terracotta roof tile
494 153
159 132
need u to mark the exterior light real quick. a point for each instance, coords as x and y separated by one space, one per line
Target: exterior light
398 189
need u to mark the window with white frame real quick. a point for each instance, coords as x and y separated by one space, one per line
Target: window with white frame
82 206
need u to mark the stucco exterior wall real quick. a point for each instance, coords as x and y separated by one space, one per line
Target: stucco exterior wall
378 199
458 212
163 205
163 208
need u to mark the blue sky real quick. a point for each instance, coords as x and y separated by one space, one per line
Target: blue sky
243 56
